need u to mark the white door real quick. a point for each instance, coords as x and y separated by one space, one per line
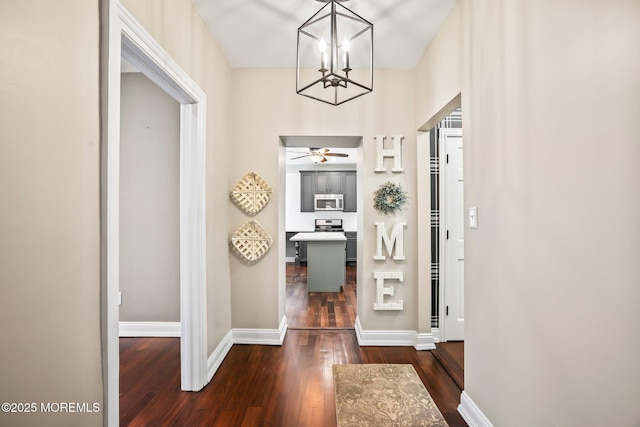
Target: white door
452 235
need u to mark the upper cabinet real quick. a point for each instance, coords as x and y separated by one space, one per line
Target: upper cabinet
307 190
328 182
349 182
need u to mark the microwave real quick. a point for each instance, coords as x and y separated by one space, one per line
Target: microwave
328 202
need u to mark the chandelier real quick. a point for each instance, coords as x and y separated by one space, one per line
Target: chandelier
334 55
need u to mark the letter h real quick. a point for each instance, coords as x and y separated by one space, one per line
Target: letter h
395 152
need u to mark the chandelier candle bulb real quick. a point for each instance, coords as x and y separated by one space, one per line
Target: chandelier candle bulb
322 45
345 47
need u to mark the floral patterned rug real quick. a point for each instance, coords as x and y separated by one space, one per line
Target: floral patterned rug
378 395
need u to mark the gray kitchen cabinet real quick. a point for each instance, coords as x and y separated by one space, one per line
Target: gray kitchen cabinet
325 261
349 186
326 266
329 182
352 246
307 190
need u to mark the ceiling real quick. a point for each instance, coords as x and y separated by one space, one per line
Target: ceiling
262 33
297 145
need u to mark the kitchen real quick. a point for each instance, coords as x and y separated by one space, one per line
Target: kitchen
321 224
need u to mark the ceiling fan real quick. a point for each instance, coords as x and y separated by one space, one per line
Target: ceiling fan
319 155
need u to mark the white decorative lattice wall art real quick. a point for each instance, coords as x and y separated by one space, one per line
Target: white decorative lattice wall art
251 193
251 241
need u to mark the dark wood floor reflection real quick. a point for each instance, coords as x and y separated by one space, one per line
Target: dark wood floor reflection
309 310
451 357
258 385
288 385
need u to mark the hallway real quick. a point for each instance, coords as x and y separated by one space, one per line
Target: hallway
288 385
257 385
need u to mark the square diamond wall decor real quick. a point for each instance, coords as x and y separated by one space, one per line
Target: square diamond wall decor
251 241
251 193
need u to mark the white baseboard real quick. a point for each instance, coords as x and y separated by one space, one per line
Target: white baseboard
425 342
149 329
261 336
436 335
471 412
244 336
215 359
396 338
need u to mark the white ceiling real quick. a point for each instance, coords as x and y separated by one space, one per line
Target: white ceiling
262 33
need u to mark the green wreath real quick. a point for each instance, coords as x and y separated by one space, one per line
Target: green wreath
389 198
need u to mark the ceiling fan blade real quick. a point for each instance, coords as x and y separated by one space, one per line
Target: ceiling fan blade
324 159
337 154
300 157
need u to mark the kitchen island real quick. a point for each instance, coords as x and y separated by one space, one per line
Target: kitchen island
326 259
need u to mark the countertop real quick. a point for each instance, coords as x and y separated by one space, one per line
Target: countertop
322 236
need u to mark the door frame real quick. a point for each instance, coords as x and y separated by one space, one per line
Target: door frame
443 259
333 141
127 38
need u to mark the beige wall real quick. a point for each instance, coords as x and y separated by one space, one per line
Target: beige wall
179 29
49 209
438 74
550 97
267 107
149 202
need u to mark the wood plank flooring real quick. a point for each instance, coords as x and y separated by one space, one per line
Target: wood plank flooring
308 310
288 385
451 357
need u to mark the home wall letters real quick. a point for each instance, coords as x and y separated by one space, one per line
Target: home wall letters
394 243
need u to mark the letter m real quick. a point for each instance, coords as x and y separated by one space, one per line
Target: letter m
396 240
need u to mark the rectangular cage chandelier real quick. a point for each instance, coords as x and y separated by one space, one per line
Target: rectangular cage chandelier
334 55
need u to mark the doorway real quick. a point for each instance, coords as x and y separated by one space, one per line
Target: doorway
432 178
447 228
125 38
310 163
149 208
444 201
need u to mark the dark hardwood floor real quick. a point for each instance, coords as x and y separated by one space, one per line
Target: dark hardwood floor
309 310
288 385
451 357
256 385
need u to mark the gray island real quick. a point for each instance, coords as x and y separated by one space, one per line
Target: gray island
326 259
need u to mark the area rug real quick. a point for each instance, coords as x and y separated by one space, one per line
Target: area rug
379 395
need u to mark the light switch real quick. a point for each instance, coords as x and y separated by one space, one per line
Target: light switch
473 217
119 298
